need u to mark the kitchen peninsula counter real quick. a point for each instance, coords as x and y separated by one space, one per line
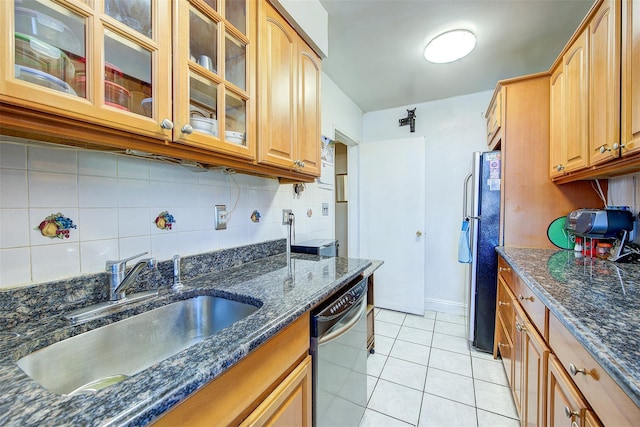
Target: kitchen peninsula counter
597 300
142 398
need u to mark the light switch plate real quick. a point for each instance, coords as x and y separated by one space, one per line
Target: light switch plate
221 217
285 216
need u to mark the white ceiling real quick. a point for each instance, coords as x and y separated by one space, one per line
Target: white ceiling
376 46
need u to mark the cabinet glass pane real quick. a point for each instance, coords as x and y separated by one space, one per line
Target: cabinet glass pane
212 3
134 13
235 61
236 119
49 45
236 14
127 75
203 105
203 40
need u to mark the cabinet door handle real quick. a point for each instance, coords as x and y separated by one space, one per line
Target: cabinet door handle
520 327
522 298
166 124
501 303
188 129
569 413
500 345
604 148
574 371
504 269
616 146
559 167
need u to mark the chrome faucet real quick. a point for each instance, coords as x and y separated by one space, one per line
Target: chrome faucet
177 284
118 281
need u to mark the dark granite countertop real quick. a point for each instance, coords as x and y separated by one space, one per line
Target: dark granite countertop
144 396
598 301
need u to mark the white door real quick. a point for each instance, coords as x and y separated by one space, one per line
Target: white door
392 220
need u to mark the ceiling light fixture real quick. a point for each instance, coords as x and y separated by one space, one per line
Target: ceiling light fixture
450 46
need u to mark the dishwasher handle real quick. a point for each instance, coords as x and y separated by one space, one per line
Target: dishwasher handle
351 323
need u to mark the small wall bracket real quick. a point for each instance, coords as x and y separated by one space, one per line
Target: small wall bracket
409 120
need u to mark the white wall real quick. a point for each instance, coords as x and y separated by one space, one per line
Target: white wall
114 199
339 112
453 129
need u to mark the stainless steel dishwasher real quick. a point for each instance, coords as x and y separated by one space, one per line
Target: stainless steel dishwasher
339 350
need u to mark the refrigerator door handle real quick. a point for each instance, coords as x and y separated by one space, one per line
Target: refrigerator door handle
465 196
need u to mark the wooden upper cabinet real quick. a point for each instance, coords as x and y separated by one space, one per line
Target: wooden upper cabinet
494 119
604 82
576 85
630 129
309 110
108 64
289 88
557 139
277 88
214 56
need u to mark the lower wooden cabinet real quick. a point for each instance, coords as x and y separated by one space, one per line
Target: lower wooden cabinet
534 370
554 380
565 405
289 404
271 386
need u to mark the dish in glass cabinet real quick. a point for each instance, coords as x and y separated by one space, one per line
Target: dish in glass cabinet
235 137
42 79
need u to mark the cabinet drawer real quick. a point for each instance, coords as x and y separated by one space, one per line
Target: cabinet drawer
532 305
504 346
505 306
505 271
609 401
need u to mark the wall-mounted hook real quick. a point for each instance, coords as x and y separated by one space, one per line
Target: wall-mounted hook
409 120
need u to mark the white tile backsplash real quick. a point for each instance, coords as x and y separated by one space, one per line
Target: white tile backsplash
13 189
113 200
55 261
97 164
97 191
13 156
52 189
51 159
14 228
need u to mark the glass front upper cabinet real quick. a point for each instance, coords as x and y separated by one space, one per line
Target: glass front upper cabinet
108 66
212 99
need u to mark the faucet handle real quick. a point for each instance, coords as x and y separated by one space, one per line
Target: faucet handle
121 263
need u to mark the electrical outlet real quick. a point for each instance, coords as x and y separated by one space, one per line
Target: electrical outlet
221 217
325 209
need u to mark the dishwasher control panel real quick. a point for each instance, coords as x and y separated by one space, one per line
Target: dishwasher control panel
345 300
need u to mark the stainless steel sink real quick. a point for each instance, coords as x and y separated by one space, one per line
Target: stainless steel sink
96 359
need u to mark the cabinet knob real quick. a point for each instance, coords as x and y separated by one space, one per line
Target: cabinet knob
501 344
504 269
604 148
559 167
616 146
166 124
418 233
574 371
188 129
520 327
299 163
569 413
522 298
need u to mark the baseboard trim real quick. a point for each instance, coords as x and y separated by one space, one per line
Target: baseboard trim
445 306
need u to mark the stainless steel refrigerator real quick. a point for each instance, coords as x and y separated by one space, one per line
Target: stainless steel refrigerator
482 213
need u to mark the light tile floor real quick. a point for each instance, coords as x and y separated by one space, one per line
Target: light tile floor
424 373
